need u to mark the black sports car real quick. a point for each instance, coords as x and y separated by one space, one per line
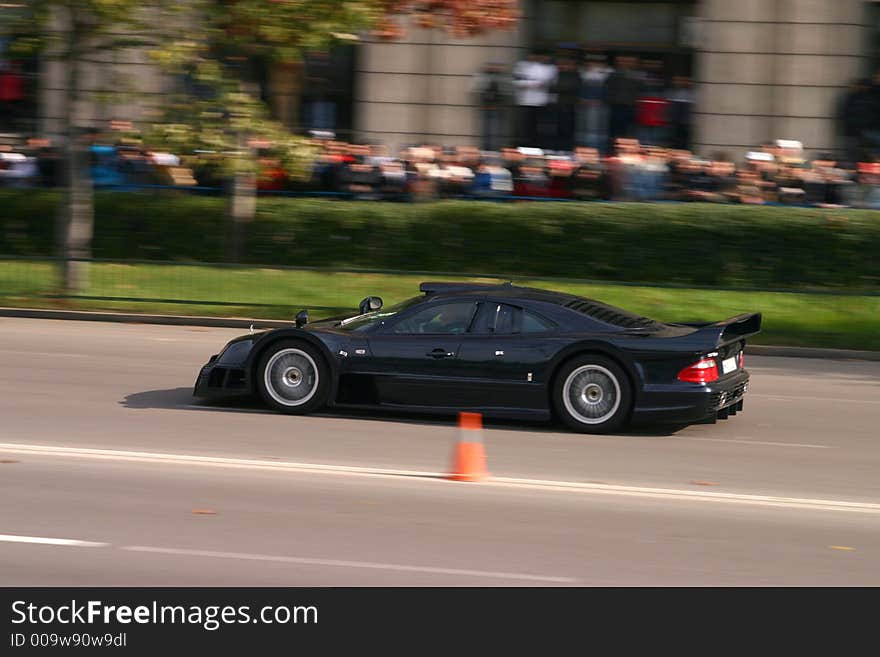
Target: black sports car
496 349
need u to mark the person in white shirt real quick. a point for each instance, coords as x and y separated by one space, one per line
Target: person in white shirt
532 80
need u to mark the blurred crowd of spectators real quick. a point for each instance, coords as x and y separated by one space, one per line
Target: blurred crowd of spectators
40 163
581 126
566 101
773 173
587 130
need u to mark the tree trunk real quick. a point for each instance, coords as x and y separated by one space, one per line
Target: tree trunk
78 215
242 207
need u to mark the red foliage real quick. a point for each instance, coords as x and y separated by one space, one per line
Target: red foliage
460 18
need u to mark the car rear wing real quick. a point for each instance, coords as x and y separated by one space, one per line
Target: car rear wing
730 330
441 287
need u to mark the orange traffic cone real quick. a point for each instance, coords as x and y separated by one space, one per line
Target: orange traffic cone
469 458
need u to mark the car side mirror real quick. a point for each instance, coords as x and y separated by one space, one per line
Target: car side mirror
302 318
370 304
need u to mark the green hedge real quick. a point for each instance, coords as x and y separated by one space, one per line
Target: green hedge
688 244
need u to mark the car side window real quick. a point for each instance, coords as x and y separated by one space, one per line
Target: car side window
502 319
444 318
532 323
507 319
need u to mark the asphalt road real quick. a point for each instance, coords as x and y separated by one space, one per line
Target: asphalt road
112 474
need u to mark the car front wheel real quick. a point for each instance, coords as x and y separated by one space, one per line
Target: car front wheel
292 377
592 394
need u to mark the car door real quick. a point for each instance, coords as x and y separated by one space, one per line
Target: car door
414 359
505 356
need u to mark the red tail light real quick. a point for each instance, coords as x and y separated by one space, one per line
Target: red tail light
703 371
742 359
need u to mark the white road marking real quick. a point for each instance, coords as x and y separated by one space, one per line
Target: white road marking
828 400
42 540
755 442
219 461
305 561
53 354
309 561
440 477
690 495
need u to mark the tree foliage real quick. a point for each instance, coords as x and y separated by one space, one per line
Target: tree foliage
210 48
90 27
215 43
214 49
460 18
78 33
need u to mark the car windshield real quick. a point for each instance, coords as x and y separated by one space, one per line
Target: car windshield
360 322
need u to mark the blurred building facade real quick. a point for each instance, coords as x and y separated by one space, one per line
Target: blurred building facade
763 69
770 69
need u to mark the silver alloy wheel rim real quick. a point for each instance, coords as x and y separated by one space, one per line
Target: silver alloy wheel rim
291 377
591 394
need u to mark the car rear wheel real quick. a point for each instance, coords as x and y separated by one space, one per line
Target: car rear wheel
592 394
292 377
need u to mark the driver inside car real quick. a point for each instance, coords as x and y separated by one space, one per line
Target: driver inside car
453 318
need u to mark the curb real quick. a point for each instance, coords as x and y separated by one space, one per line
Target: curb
238 322
812 352
136 318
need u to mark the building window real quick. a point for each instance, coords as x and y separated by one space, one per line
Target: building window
327 99
657 30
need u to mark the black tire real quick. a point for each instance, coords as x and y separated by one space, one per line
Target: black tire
592 394
292 377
